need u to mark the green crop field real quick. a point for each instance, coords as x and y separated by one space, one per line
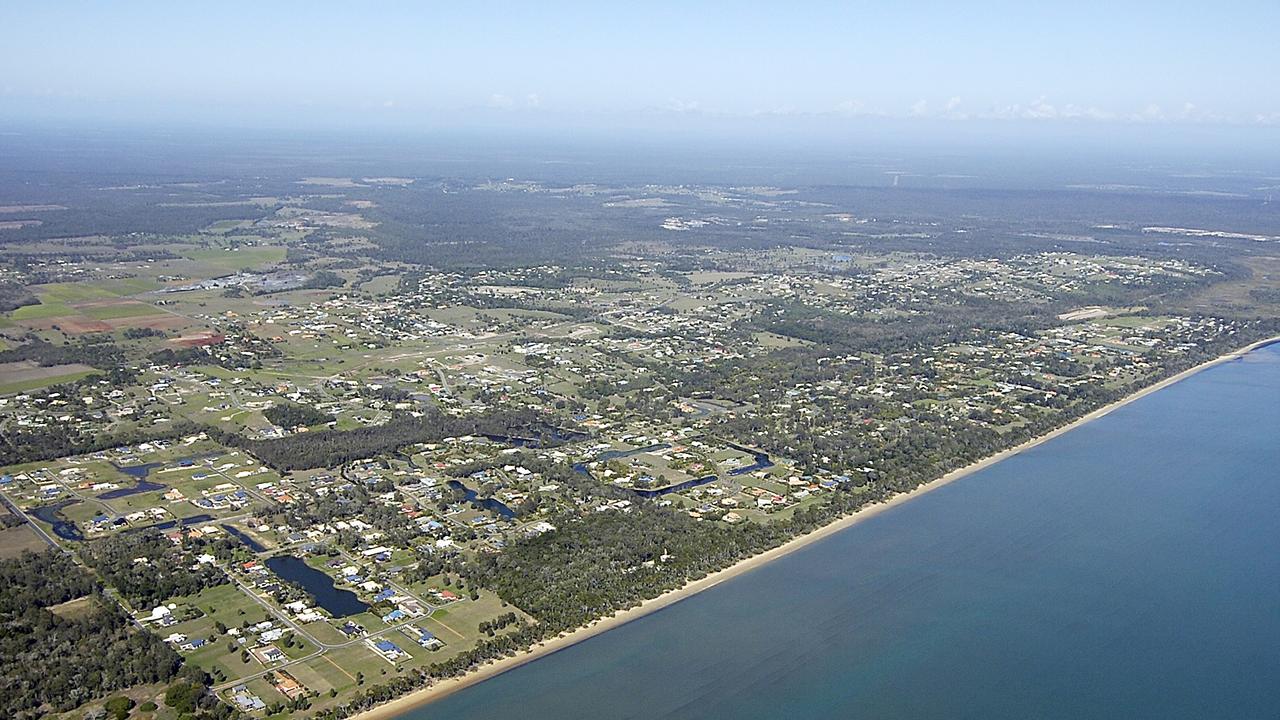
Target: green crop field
238 259
122 310
42 311
33 383
75 292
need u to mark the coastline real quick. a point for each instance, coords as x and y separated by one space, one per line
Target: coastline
426 695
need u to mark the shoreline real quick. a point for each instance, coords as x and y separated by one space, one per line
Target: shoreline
427 695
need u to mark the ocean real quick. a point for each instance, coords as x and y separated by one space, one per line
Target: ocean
1127 569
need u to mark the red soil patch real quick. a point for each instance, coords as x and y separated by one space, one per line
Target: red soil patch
199 339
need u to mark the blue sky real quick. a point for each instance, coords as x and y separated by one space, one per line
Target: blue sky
598 63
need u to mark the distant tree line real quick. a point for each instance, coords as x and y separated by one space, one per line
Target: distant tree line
15 295
91 350
22 445
323 279
330 448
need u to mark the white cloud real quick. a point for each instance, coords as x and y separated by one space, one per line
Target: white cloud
1086 113
676 105
952 110
851 107
1040 109
532 100
780 111
498 100
1151 113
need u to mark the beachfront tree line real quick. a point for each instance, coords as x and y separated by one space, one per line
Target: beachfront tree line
597 563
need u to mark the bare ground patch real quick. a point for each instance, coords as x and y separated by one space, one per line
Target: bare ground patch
15 540
72 609
163 321
71 324
19 372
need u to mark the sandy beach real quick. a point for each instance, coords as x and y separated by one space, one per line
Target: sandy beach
440 689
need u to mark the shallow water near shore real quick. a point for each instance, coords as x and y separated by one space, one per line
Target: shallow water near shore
1128 568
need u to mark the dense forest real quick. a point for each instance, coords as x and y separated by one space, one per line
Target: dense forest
164 571
14 296
91 350
949 320
330 448
602 562
55 661
290 415
21 445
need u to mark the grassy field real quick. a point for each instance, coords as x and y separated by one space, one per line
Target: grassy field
226 604
73 292
15 540
42 311
238 259
129 286
31 383
120 310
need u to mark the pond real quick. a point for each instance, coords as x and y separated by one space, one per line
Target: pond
62 527
490 504
337 601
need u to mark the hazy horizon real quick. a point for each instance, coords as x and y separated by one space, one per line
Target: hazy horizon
933 68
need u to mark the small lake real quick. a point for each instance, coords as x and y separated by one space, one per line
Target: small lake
141 487
170 524
490 504
678 487
761 458
141 472
137 471
62 527
337 601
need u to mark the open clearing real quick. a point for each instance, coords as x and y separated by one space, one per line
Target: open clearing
73 609
20 376
15 540
117 309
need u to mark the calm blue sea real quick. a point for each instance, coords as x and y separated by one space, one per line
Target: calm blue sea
1128 569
